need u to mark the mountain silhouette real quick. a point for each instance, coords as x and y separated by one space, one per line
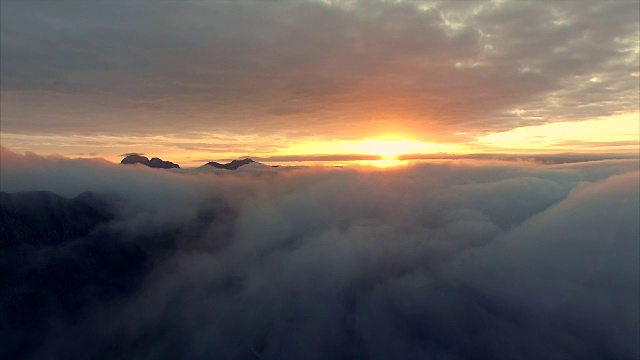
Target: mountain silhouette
59 258
233 165
153 163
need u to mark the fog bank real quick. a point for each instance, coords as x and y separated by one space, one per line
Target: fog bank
437 260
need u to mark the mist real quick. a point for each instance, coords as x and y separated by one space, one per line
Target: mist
447 259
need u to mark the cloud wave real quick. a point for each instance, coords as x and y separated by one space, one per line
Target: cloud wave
444 259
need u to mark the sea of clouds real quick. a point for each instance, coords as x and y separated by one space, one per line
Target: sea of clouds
466 259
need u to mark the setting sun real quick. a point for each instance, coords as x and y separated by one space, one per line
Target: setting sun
389 150
385 147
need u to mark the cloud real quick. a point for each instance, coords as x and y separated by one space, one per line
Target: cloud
302 69
327 158
595 144
560 158
442 259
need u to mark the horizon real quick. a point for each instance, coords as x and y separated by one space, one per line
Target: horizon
379 161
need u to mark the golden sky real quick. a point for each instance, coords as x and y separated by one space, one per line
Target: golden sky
214 80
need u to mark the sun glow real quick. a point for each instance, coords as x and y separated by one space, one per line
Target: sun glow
385 148
386 163
389 150
618 132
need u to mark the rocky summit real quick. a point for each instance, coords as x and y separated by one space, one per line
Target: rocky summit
153 163
233 165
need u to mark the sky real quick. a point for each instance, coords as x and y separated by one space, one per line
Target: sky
197 81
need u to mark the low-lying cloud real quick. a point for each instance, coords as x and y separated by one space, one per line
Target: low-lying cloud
438 260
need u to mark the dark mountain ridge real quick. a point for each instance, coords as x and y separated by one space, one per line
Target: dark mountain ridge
158 163
42 218
61 258
155 162
58 259
233 165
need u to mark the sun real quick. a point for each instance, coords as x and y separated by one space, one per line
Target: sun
389 150
382 151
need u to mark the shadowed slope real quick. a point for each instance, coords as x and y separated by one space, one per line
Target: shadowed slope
153 163
233 165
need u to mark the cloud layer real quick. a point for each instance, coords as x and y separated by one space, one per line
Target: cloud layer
307 68
442 260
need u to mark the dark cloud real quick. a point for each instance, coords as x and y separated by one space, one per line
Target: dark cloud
308 68
472 258
558 158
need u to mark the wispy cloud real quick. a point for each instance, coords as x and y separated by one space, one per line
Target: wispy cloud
343 69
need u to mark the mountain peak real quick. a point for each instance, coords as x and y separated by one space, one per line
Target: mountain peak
233 165
153 163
